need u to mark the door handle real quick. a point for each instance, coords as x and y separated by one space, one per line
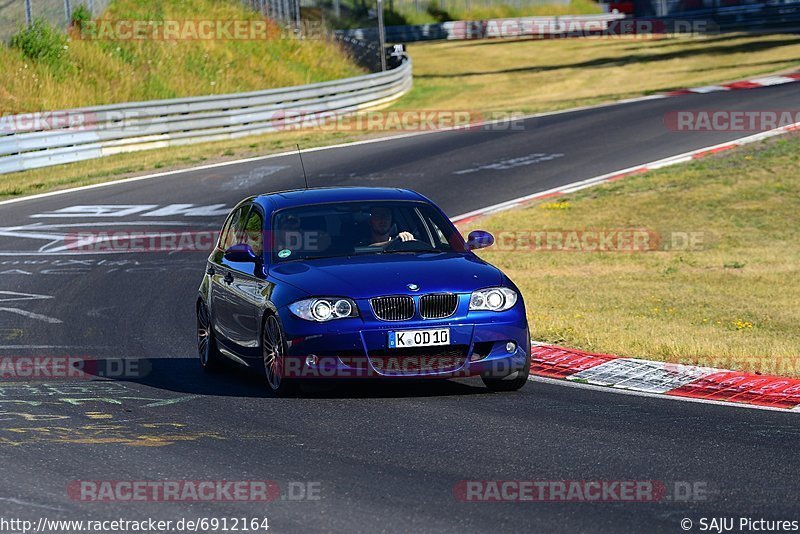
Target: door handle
210 270
228 278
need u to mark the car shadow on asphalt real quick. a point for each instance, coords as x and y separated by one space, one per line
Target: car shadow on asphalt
184 375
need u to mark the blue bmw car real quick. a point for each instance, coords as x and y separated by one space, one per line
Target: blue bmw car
357 283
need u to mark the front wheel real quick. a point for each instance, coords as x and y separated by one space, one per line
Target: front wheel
273 348
210 357
509 383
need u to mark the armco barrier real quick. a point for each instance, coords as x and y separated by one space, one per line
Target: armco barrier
30 141
479 29
748 18
754 17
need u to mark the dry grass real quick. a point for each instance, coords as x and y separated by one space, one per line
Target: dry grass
466 10
732 303
536 75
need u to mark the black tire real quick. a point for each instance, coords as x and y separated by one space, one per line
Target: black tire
209 355
273 350
509 384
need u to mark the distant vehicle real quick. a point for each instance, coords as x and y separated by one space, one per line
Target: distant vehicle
357 282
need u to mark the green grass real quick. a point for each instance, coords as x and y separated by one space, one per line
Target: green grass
432 12
466 10
730 303
89 72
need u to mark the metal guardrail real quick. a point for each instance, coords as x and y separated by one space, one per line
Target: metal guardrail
749 18
29 141
480 29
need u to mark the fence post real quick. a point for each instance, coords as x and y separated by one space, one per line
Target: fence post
28 14
381 36
68 11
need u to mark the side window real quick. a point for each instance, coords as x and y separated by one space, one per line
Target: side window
234 228
223 234
254 235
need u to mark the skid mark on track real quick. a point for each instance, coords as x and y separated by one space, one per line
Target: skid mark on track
28 504
99 412
156 434
31 315
513 163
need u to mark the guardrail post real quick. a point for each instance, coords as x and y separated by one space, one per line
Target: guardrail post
28 14
381 36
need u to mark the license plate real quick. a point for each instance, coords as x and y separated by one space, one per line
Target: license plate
419 338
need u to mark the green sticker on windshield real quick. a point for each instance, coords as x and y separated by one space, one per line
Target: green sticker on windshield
285 253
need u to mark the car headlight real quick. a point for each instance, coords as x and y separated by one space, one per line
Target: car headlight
324 309
493 299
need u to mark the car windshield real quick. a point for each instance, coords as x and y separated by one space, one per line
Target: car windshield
361 228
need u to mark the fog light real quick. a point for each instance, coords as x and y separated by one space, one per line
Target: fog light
311 360
511 347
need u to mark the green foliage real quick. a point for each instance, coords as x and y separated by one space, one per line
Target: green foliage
439 14
42 43
80 16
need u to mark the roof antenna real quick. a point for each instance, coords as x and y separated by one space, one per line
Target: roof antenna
300 155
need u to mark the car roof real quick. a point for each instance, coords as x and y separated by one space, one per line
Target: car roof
319 195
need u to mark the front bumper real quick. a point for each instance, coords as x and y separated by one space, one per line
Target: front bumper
354 348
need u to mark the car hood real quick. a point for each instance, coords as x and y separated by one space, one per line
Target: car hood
389 274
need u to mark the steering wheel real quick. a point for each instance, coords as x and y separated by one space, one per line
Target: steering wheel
414 245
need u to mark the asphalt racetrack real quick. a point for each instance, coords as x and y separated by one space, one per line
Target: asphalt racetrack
373 456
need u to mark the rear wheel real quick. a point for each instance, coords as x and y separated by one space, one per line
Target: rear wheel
511 382
273 348
210 358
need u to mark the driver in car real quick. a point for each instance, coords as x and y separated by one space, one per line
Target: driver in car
380 224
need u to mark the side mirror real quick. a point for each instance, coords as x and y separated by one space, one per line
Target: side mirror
479 239
241 253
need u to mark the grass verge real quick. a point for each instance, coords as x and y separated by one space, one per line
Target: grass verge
482 76
356 15
96 71
535 75
729 301
466 10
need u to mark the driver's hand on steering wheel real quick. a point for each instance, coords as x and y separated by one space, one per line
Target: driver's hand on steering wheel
404 236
